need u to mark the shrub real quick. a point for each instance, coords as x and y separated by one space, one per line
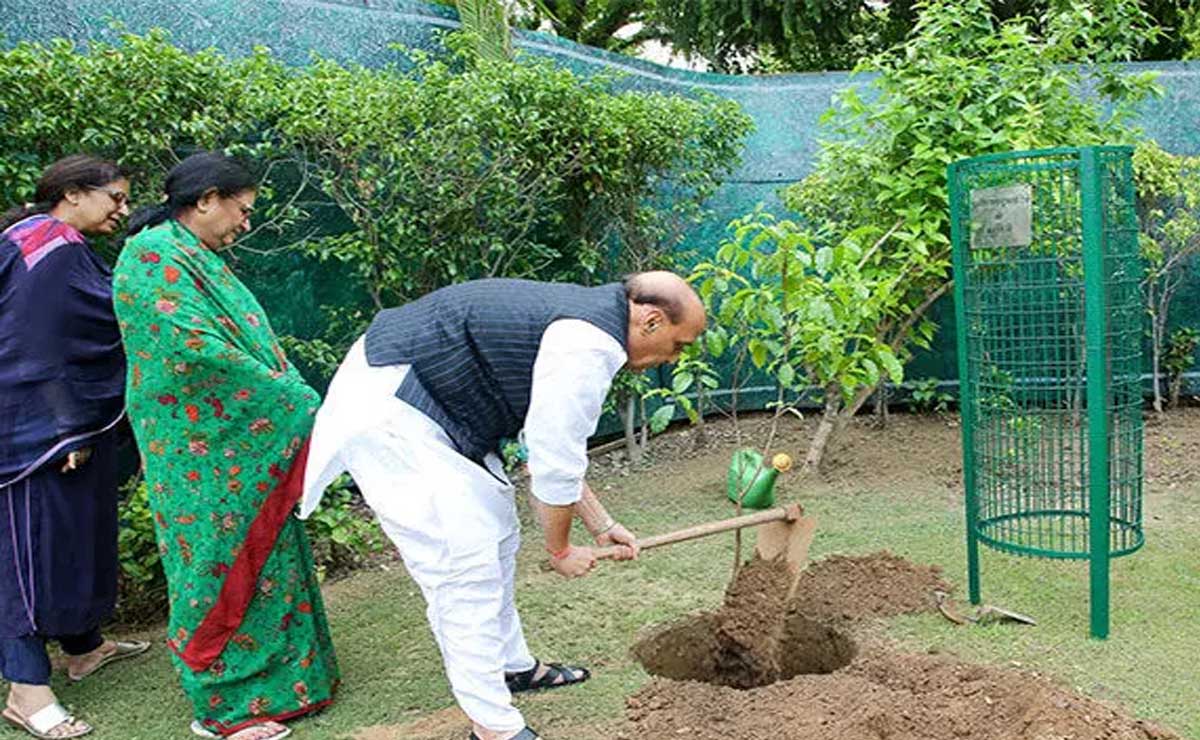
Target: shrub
962 85
452 171
143 587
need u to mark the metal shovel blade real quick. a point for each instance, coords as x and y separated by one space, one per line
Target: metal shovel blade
788 539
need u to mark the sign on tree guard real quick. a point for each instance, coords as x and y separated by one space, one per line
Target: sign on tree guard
1002 217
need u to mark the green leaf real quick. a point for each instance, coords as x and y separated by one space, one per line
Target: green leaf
758 353
681 382
786 375
894 369
661 418
824 260
717 342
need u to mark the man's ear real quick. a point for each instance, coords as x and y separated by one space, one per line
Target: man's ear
652 318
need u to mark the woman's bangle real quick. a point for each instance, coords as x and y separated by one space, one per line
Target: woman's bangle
611 523
560 554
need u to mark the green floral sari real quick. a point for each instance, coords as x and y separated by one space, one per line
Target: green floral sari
222 422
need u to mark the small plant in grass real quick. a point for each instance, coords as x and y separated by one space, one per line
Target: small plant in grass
627 398
143 583
695 375
343 533
927 398
1179 357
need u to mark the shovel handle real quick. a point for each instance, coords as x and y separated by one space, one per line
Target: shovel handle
782 513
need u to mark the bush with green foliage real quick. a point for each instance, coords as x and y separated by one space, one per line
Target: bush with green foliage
1179 357
961 86
343 535
815 35
138 101
143 584
453 171
1168 201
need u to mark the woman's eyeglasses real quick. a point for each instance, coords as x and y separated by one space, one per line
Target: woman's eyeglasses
119 197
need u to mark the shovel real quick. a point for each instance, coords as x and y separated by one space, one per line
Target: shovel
986 614
784 532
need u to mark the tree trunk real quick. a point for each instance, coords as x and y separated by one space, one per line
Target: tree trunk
645 445
632 451
825 429
733 402
700 440
881 405
1176 389
1156 342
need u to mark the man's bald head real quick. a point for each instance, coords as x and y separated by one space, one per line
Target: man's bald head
666 290
665 315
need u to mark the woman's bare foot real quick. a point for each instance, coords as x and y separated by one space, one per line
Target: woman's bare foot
82 665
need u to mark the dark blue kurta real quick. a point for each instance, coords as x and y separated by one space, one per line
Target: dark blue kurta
62 376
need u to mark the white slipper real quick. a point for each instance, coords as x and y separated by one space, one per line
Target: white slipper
277 736
200 731
40 723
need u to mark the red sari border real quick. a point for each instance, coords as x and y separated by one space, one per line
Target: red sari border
218 626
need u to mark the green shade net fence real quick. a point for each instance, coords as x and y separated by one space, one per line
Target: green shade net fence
1050 307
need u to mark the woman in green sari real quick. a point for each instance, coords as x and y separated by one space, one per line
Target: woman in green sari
222 422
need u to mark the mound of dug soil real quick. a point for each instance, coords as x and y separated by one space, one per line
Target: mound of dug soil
763 667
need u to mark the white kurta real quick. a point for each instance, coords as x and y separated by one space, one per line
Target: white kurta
454 523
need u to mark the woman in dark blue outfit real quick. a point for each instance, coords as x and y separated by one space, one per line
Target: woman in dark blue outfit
62 373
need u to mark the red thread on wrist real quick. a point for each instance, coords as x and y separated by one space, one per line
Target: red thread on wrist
560 554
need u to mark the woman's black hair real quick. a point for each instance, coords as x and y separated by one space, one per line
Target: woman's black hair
76 172
188 181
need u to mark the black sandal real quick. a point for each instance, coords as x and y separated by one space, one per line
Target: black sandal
526 734
557 675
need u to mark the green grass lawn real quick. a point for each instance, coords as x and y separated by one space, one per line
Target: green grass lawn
392 673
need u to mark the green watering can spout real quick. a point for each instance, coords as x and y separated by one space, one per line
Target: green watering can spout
759 489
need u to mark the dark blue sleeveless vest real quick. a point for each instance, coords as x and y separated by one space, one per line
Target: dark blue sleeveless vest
472 347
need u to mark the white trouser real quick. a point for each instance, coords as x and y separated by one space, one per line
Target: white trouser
454 523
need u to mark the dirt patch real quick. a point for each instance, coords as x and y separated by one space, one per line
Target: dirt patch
754 639
869 454
444 723
879 585
882 695
829 687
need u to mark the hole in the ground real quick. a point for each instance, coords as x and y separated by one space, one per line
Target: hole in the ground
695 649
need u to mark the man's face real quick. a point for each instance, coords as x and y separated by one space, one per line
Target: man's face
656 341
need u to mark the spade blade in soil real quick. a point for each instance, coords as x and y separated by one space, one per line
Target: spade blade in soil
788 539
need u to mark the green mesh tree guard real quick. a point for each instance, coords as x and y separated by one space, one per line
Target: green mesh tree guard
1050 315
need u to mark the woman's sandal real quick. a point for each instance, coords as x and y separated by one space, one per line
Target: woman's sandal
556 675
43 722
200 730
281 731
123 650
526 734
